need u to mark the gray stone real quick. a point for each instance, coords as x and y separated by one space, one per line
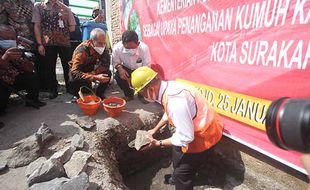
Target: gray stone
25 152
63 155
141 139
49 185
77 183
49 170
3 164
77 164
77 142
45 133
85 122
34 165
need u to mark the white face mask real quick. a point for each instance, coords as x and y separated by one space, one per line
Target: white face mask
131 52
6 44
100 50
150 97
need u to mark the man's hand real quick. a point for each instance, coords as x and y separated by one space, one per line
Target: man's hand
154 143
123 74
102 78
41 50
151 132
12 54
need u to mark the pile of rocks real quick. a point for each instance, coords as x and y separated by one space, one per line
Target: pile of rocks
65 169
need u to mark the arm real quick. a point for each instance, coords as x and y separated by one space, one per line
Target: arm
117 63
79 57
146 60
71 21
181 116
36 19
162 123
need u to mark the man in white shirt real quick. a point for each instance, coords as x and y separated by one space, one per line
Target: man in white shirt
197 127
127 56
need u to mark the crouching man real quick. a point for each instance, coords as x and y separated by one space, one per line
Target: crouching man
90 63
16 73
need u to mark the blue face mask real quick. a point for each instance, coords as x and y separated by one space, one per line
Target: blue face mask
6 44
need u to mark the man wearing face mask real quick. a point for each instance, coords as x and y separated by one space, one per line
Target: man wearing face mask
127 56
90 63
197 127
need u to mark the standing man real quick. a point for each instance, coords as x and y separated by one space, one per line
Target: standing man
197 127
127 56
90 63
17 14
53 22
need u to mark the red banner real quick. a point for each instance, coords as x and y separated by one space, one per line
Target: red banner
241 54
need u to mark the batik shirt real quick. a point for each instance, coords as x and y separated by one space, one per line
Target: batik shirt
86 62
18 14
55 21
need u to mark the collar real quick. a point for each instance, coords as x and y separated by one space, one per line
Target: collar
162 89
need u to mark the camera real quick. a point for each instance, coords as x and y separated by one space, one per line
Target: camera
27 47
288 124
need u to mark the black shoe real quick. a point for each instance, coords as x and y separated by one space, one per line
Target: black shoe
53 95
73 100
169 179
35 103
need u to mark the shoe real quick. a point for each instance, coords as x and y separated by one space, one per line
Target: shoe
73 100
53 95
35 103
169 179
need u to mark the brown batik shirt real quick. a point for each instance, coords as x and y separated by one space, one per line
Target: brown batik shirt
86 62
18 14
55 21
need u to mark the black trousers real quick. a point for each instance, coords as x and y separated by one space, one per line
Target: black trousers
24 81
76 84
123 84
185 167
46 66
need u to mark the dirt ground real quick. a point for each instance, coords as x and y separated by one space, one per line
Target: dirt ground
21 122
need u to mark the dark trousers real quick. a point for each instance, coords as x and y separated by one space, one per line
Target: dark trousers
185 167
47 66
24 81
123 84
76 84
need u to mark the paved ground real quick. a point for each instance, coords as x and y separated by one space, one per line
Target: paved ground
248 172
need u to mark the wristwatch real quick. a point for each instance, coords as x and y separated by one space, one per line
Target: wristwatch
161 144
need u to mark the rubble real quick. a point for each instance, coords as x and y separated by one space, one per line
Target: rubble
63 155
141 139
85 122
3 164
35 165
45 133
49 170
49 185
77 164
80 182
24 152
77 142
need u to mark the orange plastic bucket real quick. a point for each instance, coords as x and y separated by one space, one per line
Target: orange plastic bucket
113 106
89 104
